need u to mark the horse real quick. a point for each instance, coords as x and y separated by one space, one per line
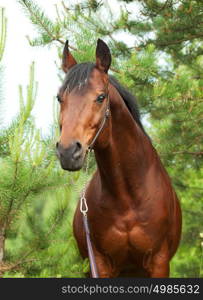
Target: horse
134 214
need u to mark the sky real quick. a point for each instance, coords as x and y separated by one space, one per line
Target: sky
19 55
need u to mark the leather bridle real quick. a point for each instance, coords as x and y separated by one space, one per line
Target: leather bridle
106 116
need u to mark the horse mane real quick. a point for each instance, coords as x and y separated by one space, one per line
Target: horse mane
129 100
78 76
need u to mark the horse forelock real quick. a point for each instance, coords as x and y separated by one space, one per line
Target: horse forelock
77 76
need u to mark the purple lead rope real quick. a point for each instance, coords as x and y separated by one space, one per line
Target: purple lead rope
93 265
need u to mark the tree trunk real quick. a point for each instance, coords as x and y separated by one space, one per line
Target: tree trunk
2 243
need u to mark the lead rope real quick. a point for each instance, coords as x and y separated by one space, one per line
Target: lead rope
84 210
83 201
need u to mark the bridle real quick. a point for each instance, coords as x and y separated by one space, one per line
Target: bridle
83 202
106 116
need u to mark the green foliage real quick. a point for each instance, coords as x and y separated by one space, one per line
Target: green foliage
164 69
3 22
44 243
187 262
3 27
48 30
37 200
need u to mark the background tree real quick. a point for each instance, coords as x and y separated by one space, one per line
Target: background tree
163 68
2 46
35 206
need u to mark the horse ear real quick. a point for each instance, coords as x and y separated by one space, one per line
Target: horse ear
68 61
103 56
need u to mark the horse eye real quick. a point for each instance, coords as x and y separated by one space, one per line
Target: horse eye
101 98
58 98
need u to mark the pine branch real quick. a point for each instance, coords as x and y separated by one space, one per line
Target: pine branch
57 221
92 6
187 186
198 153
12 199
40 20
3 31
4 267
175 42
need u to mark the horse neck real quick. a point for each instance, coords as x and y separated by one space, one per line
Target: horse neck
125 160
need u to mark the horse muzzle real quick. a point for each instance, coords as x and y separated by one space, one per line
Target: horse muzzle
71 158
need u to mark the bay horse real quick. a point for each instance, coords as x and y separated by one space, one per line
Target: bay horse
134 214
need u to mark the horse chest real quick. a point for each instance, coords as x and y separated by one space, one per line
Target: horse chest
125 236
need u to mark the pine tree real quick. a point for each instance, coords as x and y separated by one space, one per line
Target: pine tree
2 46
2 32
35 206
3 26
164 70
36 197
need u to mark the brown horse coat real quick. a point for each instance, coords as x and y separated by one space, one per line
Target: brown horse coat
134 214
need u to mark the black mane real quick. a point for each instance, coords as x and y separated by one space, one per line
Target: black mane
78 75
129 100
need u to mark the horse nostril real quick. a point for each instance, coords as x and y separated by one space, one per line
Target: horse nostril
78 146
78 150
57 144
